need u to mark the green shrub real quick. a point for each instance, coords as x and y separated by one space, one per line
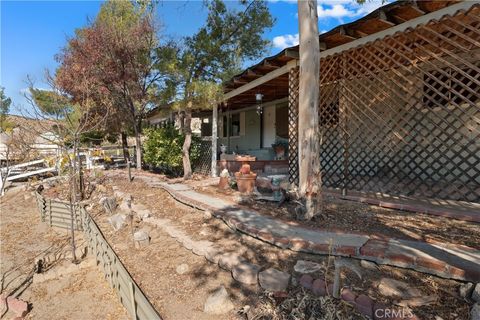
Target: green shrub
163 149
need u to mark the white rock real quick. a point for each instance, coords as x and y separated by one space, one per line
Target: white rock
207 215
141 235
117 221
183 268
218 302
303 266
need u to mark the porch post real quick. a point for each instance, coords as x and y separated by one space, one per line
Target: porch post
214 140
308 117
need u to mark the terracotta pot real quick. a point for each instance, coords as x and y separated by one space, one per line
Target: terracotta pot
223 183
280 151
245 182
245 169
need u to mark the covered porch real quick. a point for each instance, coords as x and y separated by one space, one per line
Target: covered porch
399 103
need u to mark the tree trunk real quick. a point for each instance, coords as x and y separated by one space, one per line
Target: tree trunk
138 144
73 198
308 121
126 154
187 130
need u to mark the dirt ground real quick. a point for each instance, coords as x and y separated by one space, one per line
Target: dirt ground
154 266
368 219
83 294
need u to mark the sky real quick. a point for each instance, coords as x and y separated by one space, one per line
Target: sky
33 32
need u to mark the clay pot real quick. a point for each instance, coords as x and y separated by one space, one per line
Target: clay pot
223 183
245 169
246 182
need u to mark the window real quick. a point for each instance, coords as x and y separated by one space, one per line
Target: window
206 127
233 125
450 86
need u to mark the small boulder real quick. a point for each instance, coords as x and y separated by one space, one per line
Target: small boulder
218 302
476 293
19 307
394 288
213 255
306 281
229 260
475 312
246 273
117 221
141 238
303 266
364 305
369 265
109 204
274 280
207 215
465 290
182 269
319 287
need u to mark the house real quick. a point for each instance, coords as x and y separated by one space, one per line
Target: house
399 105
29 139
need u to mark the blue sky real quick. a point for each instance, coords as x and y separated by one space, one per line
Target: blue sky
32 32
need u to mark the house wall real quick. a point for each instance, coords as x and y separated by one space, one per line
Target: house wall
249 139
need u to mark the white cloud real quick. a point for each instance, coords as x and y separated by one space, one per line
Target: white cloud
287 40
336 11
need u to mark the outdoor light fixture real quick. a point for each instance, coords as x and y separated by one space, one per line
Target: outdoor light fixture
258 98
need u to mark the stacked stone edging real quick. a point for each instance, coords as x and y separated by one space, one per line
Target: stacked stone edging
377 249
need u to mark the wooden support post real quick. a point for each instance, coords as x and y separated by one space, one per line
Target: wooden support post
308 116
214 140
129 167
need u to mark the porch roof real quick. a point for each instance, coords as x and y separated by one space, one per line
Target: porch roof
270 76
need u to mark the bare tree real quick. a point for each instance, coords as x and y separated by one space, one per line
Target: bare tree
308 122
55 111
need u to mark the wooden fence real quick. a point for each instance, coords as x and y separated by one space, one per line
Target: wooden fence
57 214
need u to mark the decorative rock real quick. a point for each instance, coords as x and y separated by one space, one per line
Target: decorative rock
465 290
19 307
117 221
109 204
369 265
394 288
229 260
200 248
207 215
418 301
246 273
364 305
475 312
347 295
182 269
218 302
303 266
140 235
306 281
213 255
141 238
476 293
319 287
273 280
